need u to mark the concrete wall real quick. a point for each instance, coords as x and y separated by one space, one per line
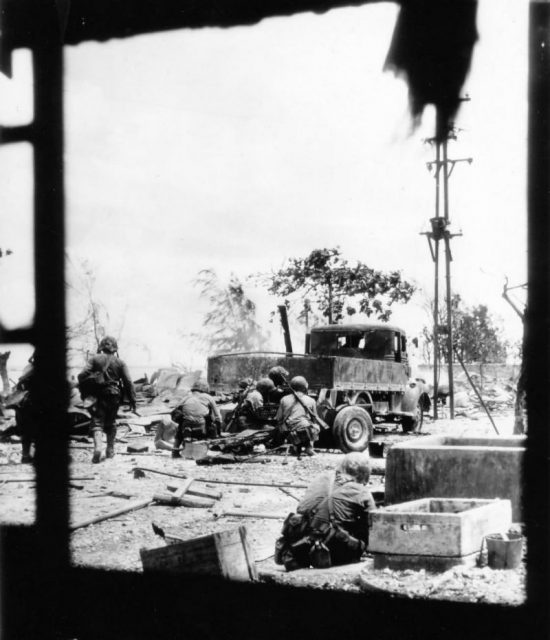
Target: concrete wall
440 467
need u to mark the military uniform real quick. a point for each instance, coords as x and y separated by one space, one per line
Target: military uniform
197 416
114 380
294 421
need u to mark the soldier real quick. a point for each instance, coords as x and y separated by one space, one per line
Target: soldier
197 416
279 376
249 412
106 377
296 417
331 526
26 412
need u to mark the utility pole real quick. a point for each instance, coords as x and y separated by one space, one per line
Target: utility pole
440 231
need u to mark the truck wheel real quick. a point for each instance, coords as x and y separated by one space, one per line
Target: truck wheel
413 423
352 429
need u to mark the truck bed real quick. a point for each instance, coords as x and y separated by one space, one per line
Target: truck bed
321 372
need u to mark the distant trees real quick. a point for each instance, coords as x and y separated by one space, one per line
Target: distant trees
88 316
476 336
230 323
326 285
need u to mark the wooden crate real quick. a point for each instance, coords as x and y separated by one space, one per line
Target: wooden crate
225 554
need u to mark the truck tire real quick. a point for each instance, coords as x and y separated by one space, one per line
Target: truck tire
352 429
413 423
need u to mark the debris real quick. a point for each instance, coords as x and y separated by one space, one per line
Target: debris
26 479
172 500
288 485
288 493
137 449
196 491
226 554
250 514
140 504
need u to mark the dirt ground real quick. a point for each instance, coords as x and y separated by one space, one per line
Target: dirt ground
115 543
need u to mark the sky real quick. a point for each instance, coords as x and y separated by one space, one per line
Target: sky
237 149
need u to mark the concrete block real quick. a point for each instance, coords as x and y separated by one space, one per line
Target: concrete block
437 526
450 467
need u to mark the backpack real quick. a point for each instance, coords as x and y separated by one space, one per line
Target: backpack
94 383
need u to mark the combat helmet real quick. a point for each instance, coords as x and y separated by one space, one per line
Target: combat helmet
265 385
245 383
278 375
299 383
200 385
108 344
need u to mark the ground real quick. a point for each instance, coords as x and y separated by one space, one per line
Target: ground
115 543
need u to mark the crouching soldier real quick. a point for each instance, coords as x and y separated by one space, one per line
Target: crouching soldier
331 523
106 377
250 416
197 417
297 418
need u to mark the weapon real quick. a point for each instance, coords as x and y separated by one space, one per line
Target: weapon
308 411
237 409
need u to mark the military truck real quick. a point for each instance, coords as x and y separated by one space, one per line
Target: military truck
359 374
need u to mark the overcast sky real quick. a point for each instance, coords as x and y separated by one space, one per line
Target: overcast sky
236 149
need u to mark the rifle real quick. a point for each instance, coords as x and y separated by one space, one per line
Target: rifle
237 409
308 411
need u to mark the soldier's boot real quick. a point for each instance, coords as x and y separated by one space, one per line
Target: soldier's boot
309 449
111 437
177 444
98 445
26 457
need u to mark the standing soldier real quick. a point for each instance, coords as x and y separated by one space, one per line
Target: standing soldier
26 412
106 377
297 418
197 416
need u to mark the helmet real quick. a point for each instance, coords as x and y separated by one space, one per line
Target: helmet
200 385
265 384
108 344
299 383
278 375
245 382
355 465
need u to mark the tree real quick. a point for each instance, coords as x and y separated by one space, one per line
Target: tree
230 324
325 283
475 334
89 317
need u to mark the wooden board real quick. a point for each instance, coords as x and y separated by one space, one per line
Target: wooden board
226 554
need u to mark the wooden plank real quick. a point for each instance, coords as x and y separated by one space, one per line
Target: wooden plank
194 490
182 489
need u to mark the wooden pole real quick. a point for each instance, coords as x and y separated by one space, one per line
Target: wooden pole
239 482
140 504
